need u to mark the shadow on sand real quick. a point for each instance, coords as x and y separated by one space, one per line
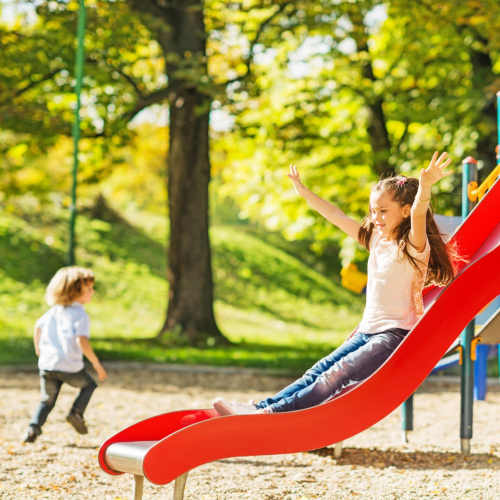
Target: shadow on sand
418 460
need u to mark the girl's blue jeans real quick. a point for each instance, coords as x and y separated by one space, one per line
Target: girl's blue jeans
50 385
356 359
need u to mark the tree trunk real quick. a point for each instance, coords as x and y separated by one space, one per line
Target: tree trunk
376 127
180 31
190 304
379 139
483 77
179 28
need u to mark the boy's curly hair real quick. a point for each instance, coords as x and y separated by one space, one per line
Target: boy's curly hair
67 285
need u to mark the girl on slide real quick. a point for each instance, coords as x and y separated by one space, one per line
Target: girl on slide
406 253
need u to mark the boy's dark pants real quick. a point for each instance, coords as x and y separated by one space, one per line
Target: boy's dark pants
50 385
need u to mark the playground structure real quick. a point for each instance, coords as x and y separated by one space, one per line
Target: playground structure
353 279
473 347
166 447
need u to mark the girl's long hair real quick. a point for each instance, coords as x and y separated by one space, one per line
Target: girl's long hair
440 270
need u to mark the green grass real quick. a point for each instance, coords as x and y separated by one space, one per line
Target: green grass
276 309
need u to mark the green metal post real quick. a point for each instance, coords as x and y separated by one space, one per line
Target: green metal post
469 174
76 125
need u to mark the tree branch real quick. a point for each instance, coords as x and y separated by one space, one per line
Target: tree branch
403 136
254 42
155 97
342 86
31 85
151 7
125 76
9 33
159 18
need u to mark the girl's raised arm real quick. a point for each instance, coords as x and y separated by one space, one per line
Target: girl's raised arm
428 176
328 210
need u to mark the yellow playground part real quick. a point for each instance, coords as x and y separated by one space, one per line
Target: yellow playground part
353 279
475 193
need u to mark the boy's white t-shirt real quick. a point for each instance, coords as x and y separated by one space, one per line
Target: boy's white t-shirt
60 326
394 288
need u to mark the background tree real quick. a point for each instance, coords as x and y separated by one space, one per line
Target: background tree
350 91
471 29
362 90
138 54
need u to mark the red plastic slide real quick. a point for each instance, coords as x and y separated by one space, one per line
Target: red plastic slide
183 440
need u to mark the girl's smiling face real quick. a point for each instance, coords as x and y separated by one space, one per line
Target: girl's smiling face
387 214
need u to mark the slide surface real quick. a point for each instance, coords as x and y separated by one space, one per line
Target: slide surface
189 438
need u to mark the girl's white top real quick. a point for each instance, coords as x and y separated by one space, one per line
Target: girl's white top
394 288
60 326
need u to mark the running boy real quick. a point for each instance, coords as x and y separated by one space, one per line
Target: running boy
61 336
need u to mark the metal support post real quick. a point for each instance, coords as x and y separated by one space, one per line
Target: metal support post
180 484
138 486
407 418
469 174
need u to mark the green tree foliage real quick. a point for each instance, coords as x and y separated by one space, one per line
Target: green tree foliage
459 43
348 91
359 90
140 53
37 91
316 68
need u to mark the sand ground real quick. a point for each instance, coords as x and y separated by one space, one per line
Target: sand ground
375 464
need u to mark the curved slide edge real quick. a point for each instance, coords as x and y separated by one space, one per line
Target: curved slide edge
344 416
153 429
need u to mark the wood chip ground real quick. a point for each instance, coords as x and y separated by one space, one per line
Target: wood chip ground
375 464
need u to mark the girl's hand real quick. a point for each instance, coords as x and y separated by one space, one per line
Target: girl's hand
436 169
295 178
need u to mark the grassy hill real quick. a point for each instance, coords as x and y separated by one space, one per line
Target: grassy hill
275 308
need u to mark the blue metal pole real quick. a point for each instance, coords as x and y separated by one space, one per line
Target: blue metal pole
481 371
469 174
